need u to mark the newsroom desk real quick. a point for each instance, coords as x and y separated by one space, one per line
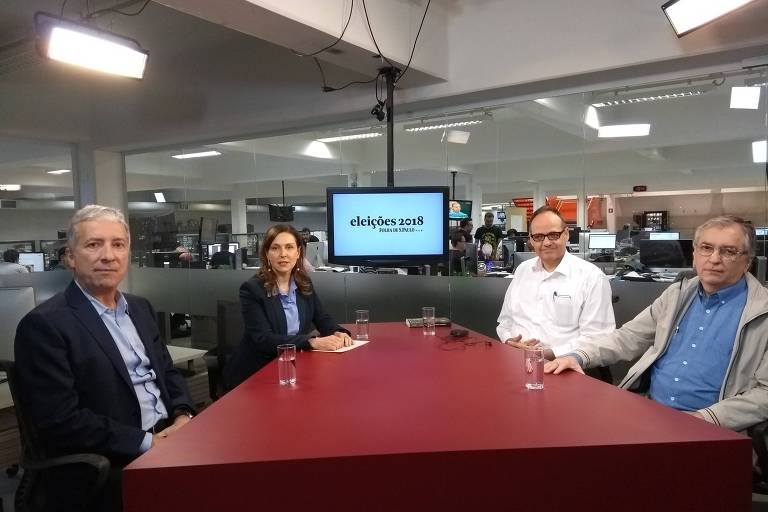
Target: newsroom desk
409 422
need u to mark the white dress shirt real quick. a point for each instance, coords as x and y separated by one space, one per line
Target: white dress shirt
561 308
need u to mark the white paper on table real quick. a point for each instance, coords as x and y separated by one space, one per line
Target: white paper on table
357 343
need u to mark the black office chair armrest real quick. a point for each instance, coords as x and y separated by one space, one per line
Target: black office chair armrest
99 462
759 435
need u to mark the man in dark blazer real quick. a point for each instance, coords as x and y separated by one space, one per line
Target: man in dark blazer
95 375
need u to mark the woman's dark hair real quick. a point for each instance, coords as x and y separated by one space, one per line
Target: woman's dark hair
303 282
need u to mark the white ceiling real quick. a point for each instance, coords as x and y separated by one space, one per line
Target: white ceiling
204 79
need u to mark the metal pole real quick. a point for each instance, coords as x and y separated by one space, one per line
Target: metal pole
390 75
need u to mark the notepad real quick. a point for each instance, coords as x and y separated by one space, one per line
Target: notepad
357 344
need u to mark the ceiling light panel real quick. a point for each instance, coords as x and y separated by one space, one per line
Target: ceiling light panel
624 130
355 136
59 171
619 98
84 46
198 154
760 151
745 97
440 125
688 15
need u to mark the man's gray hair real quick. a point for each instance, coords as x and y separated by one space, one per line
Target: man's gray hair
94 212
727 221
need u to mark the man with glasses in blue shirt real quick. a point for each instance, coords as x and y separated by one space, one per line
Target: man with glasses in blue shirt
556 298
702 343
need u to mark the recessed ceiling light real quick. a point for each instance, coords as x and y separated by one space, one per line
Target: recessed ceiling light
198 154
10 188
745 97
455 136
317 149
759 151
354 136
624 130
591 119
159 197
59 171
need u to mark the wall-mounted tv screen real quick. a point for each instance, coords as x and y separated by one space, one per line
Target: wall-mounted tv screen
378 226
280 213
459 209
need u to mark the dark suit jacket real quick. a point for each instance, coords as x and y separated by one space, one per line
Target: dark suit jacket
75 383
266 328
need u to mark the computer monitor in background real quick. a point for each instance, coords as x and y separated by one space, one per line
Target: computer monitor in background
314 254
35 260
659 255
213 249
663 235
763 231
233 247
602 241
573 235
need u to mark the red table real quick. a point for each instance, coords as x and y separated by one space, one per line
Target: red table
409 422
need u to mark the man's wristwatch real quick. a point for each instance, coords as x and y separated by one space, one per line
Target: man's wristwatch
183 412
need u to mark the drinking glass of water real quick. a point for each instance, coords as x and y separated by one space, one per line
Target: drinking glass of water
428 321
361 322
286 364
533 357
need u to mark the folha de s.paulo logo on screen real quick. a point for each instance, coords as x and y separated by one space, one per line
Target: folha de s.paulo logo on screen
389 224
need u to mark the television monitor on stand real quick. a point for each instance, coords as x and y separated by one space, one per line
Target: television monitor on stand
387 226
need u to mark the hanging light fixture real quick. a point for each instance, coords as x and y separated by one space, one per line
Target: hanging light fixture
88 47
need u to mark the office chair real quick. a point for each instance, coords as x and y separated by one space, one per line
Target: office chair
759 435
229 332
30 496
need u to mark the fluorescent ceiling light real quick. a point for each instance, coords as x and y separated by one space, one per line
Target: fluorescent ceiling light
618 98
745 97
159 197
354 136
88 47
590 118
10 188
688 15
440 125
318 149
59 171
759 151
624 130
198 154
455 136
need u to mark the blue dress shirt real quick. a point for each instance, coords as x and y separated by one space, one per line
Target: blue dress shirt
143 377
290 309
690 374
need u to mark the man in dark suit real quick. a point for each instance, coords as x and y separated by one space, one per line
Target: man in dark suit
94 371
